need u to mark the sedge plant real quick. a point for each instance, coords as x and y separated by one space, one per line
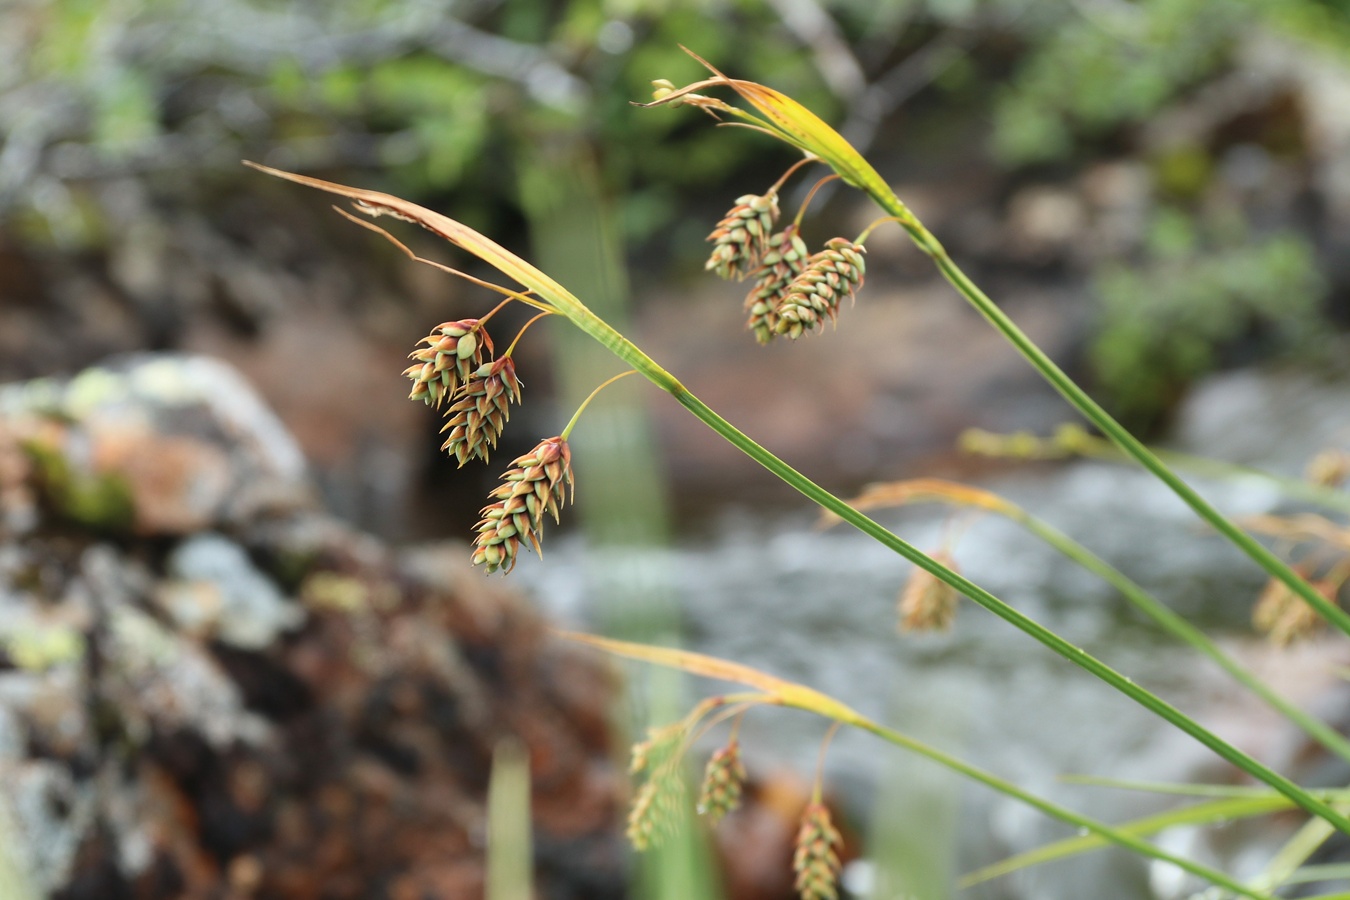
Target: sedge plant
795 291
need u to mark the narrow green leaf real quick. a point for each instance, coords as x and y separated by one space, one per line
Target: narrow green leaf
1224 810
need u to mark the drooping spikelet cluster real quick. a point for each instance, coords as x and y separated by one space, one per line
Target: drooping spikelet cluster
655 814
927 603
1284 616
742 237
830 276
816 861
795 290
537 482
782 263
723 783
453 351
481 410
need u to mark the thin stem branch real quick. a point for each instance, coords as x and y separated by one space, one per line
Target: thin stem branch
521 333
587 402
801 210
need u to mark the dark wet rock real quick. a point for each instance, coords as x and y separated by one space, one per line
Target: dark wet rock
209 688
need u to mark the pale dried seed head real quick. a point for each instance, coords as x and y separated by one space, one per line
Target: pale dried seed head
480 411
926 602
723 782
815 860
537 482
1285 617
741 238
454 351
784 260
816 294
1329 468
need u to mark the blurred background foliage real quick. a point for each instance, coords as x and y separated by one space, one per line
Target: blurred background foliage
117 115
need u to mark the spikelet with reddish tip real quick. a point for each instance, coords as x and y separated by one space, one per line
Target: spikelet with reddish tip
815 860
537 482
784 261
830 276
454 351
723 782
481 410
741 238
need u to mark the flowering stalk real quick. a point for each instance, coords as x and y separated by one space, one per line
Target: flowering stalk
787 120
780 692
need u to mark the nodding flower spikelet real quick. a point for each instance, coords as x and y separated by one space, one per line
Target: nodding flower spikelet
782 263
1284 616
480 411
742 237
815 860
723 782
656 806
454 351
537 482
927 603
830 276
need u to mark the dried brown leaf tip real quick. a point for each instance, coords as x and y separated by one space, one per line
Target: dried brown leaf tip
830 276
453 351
657 806
816 861
926 602
782 263
1285 617
723 782
537 482
741 239
481 410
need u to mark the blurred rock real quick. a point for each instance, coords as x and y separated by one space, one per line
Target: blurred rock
209 688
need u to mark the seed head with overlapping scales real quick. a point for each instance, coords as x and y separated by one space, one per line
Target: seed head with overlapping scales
815 859
830 276
454 351
723 782
537 482
742 237
784 261
481 410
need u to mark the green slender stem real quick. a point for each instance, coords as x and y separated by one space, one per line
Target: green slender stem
1055 811
1076 655
627 351
1296 851
591 396
644 364
1130 445
1179 628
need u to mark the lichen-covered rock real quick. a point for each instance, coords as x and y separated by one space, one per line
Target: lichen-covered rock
209 688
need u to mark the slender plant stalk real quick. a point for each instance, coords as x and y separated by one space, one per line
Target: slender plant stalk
784 118
779 692
1183 630
557 298
1076 655
1099 417
928 489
